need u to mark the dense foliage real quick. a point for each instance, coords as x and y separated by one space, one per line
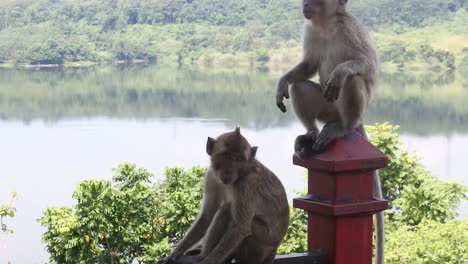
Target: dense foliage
125 219
420 223
203 31
413 193
431 242
130 219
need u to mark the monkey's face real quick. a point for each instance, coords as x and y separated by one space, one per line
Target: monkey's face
228 166
312 8
230 155
319 8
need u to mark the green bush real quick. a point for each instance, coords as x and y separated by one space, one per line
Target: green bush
430 243
295 240
125 219
413 194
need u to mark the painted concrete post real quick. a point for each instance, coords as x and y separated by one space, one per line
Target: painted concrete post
340 201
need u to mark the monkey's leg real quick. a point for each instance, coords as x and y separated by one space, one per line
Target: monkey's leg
269 259
216 230
307 102
351 105
212 237
198 229
252 251
379 217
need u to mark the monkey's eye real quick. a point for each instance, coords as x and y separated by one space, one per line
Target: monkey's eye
232 156
237 158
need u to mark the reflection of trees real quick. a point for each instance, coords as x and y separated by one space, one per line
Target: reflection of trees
149 92
424 80
413 115
140 93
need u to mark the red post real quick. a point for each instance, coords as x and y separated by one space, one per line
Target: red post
340 201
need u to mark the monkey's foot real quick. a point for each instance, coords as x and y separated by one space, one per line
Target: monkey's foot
330 132
190 257
303 146
166 260
193 252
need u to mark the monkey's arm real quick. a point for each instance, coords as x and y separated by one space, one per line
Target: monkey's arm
337 78
228 244
361 65
300 72
230 241
240 227
204 219
195 233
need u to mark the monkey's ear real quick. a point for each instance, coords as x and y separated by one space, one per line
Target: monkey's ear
237 130
343 2
253 152
209 145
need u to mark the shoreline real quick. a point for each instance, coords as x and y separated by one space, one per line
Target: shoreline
275 67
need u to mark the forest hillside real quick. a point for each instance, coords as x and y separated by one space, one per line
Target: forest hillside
409 33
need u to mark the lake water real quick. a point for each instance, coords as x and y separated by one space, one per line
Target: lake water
59 127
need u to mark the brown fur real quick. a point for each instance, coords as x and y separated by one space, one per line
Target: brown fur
245 211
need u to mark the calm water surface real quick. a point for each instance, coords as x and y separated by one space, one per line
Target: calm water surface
59 127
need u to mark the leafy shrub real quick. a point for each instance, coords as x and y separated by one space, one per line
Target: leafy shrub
413 194
125 219
431 242
295 240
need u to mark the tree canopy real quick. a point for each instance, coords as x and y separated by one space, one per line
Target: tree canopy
60 31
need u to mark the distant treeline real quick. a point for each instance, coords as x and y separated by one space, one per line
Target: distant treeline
187 31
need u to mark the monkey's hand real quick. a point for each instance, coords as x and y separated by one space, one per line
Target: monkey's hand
282 92
333 85
171 259
186 259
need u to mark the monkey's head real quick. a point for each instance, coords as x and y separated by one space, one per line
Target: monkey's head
231 156
321 8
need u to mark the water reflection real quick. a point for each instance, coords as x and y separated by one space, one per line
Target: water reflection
422 104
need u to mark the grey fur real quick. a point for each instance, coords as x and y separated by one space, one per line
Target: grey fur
338 48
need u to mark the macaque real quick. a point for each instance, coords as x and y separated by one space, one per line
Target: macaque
338 48
244 214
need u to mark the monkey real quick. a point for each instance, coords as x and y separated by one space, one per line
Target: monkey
244 214
338 48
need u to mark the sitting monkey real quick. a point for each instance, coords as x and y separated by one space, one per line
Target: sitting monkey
245 212
338 49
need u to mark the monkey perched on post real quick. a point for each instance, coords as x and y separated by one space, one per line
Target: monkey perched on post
339 49
245 212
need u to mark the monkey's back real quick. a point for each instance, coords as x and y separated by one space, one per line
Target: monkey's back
272 208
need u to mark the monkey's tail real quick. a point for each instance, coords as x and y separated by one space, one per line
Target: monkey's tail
380 237
379 223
